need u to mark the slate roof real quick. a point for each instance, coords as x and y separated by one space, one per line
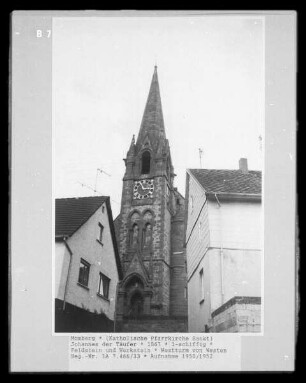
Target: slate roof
71 213
229 181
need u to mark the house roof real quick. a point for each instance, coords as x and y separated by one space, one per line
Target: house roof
71 213
229 181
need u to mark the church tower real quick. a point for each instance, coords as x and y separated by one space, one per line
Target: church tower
152 297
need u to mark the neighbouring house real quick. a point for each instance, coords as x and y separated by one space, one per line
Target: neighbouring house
224 244
86 265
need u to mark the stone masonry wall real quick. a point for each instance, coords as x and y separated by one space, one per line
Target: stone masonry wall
160 239
170 324
244 316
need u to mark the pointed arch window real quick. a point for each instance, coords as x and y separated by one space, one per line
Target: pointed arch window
145 162
147 235
147 231
134 238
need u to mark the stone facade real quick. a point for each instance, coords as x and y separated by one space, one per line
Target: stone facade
239 314
153 324
152 295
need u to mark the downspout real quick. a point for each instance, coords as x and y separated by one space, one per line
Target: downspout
221 253
116 307
68 274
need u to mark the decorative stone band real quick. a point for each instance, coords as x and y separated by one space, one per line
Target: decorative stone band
238 300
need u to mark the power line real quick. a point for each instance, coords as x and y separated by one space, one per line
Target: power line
95 191
89 187
97 173
102 171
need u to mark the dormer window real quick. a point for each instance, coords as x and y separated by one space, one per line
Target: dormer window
145 162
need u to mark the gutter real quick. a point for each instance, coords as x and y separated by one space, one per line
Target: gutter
221 252
68 274
235 196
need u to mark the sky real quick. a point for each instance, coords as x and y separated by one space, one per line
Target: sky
211 78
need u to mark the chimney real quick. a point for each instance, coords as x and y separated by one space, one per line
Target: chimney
243 165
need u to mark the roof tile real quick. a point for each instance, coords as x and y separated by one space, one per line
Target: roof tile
229 181
71 213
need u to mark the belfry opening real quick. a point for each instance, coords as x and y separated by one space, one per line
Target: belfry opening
145 162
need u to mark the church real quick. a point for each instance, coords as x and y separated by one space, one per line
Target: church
152 295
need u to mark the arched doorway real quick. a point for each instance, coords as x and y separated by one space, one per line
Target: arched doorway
136 305
135 297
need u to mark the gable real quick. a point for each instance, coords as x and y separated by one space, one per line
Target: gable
72 213
136 266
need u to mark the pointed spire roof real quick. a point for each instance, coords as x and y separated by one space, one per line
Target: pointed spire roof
152 121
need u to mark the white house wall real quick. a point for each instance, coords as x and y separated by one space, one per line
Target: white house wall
197 242
237 228
241 275
84 244
236 225
198 310
197 231
61 264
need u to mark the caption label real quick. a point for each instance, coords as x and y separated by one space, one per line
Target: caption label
97 352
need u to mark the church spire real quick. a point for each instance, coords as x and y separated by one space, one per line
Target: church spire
152 121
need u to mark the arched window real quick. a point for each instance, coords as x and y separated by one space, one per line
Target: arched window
147 230
147 215
134 238
147 235
145 162
135 216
